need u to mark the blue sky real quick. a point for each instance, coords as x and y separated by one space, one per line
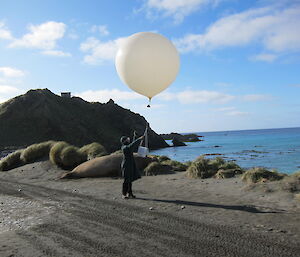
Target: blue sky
240 60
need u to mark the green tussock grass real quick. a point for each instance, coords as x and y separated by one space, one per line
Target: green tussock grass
55 153
156 168
93 150
11 161
176 166
70 157
291 183
159 158
229 173
296 174
165 160
207 168
259 174
162 158
36 151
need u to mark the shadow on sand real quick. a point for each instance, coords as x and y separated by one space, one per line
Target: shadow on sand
246 208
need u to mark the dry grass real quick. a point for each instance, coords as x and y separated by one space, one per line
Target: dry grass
259 174
176 166
11 161
206 168
201 168
93 150
291 183
231 166
36 151
70 157
156 168
55 153
162 158
229 173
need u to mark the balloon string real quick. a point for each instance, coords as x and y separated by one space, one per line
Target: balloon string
149 105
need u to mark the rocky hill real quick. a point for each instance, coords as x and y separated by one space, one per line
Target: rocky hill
40 115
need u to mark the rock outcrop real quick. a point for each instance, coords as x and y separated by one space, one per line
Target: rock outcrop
180 137
40 115
177 142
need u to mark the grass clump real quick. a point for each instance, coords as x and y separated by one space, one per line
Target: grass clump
93 150
259 174
65 155
70 157
159 158
36 151
201 168
229 173
11 161
176 166
162 158
156 168
291 183
207 168
55 153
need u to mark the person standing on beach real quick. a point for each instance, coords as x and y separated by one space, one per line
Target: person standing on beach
128 166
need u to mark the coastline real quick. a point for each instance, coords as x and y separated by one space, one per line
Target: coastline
270 148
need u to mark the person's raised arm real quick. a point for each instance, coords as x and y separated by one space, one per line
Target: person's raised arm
136 142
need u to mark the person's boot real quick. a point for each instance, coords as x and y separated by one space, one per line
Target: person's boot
125 197
131 195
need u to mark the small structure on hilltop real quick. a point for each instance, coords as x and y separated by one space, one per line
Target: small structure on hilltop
65 94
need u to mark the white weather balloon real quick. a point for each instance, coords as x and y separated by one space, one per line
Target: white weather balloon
147 63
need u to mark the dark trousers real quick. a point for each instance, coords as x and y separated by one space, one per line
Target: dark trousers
127 188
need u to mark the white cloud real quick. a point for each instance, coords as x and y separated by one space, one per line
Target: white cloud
43 36
225 109
8 91
106 94
11 72
98 51
231 111
214 97
102 29
4 32
277 29
223 84
197 96
264 57
177 9
237 113
73 35
256 97
56 53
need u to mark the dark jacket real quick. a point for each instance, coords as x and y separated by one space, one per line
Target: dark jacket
128 166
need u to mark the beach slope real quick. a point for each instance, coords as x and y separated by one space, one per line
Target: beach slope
172 216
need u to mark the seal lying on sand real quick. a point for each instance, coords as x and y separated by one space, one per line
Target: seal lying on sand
104 166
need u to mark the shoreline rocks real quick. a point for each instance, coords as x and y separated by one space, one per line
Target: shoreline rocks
177 142
180 137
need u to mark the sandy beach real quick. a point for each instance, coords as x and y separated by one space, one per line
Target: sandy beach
173 215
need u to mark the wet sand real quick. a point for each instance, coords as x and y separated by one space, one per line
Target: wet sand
41 215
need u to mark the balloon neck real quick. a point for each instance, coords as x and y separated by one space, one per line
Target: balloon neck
149 104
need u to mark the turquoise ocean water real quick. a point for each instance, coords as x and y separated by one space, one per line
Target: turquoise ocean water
271 148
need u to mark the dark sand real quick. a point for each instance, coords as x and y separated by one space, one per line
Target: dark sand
43 216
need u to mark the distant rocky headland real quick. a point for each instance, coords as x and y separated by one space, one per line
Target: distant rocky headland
182 137
40 115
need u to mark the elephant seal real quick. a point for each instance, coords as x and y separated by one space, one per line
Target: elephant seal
104 166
